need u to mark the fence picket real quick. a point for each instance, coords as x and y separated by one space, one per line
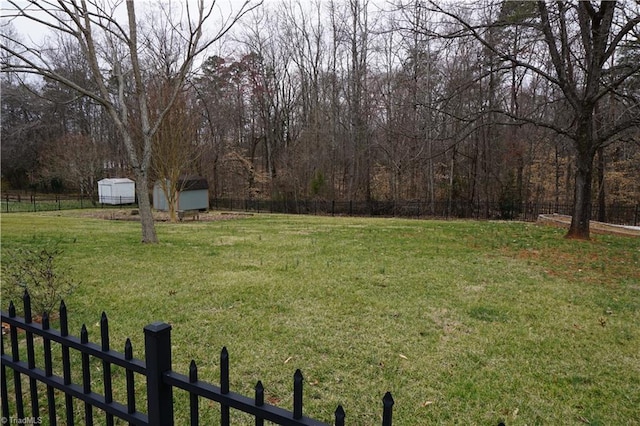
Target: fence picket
259 401
194 409
48 371
387 403
131 387
31 357
339 416
106 366
66 363
86 376
15 357
4 389
297 394
224 385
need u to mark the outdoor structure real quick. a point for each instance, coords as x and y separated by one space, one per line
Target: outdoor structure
193 194
116 191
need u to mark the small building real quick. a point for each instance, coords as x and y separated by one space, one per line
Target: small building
116 191
193 194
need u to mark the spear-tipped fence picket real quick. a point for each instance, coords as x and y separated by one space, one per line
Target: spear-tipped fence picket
156 368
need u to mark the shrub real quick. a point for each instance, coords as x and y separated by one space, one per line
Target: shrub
38 272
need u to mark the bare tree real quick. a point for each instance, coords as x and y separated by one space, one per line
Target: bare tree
175 149
24 131
75 160
117 55
581 38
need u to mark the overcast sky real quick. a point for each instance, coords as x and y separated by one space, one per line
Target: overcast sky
33 32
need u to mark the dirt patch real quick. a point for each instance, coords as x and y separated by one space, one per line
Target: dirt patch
564 221
133 215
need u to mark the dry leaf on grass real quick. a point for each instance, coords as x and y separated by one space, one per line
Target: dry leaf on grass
273 400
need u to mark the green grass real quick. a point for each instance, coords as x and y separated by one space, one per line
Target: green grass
464 322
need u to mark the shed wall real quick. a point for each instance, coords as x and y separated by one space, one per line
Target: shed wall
197 199
159 200
194 200
111 191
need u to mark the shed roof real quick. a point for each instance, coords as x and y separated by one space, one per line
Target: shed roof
115 180
192 183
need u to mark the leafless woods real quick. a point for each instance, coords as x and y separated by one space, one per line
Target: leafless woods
337 99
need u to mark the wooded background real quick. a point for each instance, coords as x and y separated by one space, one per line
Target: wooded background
342 100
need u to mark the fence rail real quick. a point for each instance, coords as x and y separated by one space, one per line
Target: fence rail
156 368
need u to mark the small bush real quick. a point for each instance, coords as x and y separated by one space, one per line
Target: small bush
35 271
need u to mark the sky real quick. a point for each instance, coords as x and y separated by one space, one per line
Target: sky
37 33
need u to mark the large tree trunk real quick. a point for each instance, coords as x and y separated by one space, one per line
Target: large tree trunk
579 228
582 201
144 206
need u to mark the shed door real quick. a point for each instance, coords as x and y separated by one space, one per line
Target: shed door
105 196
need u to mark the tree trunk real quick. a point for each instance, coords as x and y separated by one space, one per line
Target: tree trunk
451 183
579 228
144 206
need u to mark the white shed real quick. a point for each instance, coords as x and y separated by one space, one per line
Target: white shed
116 191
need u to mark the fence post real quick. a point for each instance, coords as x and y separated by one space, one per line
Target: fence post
157 347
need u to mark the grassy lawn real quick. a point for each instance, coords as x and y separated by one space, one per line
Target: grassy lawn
464 322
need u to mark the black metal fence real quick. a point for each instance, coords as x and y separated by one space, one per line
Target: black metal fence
618 214
161 380
32 203
18 202
614 213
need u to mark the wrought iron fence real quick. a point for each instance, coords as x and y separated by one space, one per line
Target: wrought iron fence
10 203
618 214
156 368
614 213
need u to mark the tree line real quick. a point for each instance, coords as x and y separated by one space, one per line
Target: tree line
493 101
